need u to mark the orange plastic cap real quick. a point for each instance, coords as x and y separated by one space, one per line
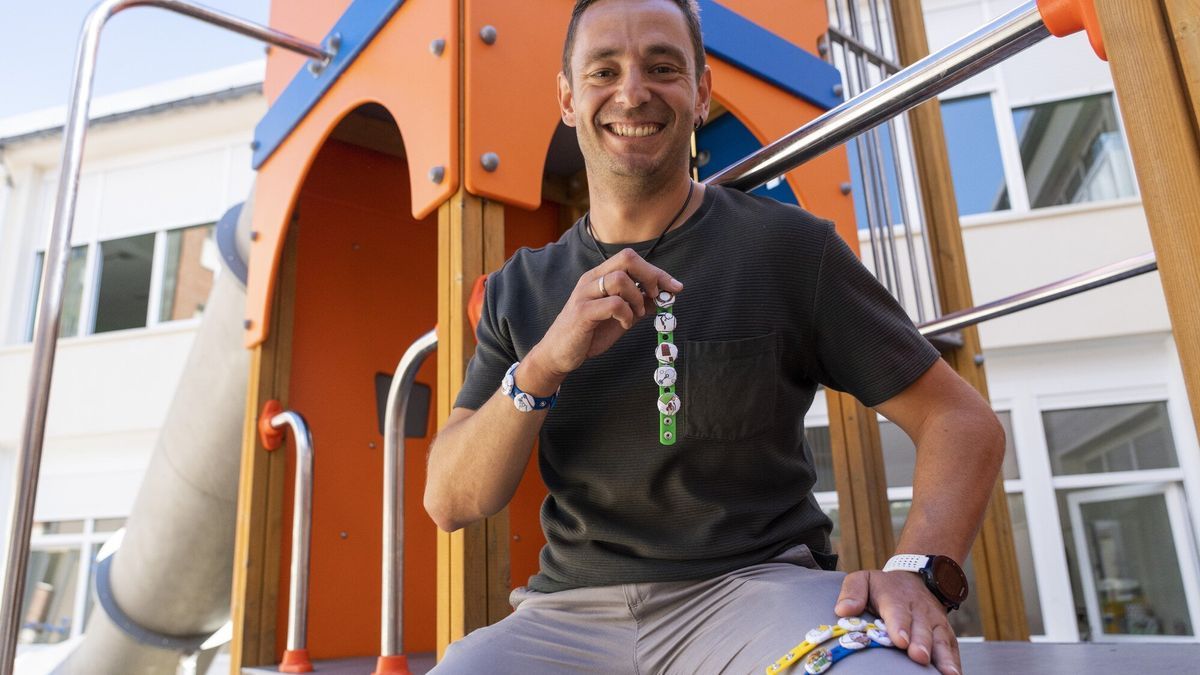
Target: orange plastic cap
270 437
392 665
295 661
1065 17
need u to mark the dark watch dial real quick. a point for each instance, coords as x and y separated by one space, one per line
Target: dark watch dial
947 581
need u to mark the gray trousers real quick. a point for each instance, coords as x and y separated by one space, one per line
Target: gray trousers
739 622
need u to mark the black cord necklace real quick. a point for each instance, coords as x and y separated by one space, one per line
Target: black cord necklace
587 225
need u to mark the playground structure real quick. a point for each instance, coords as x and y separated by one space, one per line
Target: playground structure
404 141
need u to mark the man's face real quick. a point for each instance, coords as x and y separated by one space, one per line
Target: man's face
633 96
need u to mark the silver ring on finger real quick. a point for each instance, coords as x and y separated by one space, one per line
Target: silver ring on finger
603 290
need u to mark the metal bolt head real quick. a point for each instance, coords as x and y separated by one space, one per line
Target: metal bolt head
437 174
490 161
247 324
371 445
437 47
979 359
846 187
838 90
253 235
823 47
255 145
488 34
344 534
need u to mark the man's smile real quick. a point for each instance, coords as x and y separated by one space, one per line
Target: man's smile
633 129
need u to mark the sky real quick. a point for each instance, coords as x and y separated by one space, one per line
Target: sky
138 47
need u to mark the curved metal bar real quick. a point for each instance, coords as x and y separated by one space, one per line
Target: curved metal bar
1101 276
394 424
297 637
923 80
50 296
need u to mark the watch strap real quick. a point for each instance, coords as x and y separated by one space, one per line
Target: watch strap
906 561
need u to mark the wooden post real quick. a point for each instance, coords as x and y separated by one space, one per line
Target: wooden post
1154 52
473 562
867 540
997 577
256 553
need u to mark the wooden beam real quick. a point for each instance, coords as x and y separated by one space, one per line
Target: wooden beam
255 596
867 540
997 576
1154 53
473 563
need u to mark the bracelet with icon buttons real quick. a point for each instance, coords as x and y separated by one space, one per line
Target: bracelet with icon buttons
853 634
665 375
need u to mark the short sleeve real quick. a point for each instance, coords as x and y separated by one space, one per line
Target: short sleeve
865 343
494 353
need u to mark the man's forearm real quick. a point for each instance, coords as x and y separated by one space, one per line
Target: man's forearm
476 463
958 457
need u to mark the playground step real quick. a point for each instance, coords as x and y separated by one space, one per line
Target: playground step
419 664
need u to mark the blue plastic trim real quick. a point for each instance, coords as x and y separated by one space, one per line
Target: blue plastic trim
186 644
227 242
357 26
756 50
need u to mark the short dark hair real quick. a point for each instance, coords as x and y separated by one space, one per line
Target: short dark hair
691 14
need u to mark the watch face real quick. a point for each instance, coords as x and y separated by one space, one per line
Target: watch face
949 578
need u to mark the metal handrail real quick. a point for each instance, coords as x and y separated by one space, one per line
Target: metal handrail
1074 285
1000 39
394 426
50 296
297 636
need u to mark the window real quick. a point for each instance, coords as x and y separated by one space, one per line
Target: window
68 325
136 281
57 586
976 165
1104 439
1072 151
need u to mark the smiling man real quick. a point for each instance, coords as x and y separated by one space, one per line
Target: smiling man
665 351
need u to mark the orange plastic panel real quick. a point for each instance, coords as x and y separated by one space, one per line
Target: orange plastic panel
769 113
366 288
304 19
419 89
803 23
1065 17
511 105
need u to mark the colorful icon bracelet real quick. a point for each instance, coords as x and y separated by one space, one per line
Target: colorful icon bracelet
665 375
853 633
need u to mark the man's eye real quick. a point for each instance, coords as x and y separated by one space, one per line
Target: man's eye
602 74
663 70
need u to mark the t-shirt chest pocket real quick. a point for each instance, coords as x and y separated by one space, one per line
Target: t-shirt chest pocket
729 387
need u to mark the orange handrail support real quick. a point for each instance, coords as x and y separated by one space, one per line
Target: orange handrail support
1066 17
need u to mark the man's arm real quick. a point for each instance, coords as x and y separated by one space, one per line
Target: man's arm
476 462
960 446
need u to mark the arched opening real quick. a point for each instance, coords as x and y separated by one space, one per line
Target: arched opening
357 286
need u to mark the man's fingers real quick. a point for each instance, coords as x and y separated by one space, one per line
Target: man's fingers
619 284
945 650
651 278
852 601
899 623
921 643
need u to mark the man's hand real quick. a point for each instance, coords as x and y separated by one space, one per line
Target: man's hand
916 620
597 315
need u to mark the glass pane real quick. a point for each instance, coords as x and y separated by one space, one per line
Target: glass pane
1073 151
109 524
58 527
1024 549
1134 567
873 171
187 272
125 267
68 325
1127 437
49 604
822 457
974 150
1009 468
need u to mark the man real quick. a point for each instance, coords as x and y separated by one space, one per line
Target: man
683 537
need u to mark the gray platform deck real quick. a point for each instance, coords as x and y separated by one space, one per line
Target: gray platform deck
979 658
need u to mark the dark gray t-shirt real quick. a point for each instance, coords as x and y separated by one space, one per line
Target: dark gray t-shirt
774 303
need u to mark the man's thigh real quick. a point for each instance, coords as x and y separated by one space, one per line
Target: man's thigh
587 630
743 621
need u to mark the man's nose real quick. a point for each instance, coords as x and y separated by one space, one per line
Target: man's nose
633 91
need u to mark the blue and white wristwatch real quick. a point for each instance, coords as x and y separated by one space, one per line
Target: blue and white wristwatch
523 401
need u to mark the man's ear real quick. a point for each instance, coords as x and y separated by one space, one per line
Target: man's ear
704 94
566 101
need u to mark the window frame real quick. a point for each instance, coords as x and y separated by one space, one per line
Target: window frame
88 544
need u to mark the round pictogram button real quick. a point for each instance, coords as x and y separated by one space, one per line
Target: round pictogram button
664 322
665 376
666 352
523 402
819 634
664 299
880 635
855 640
852 623
818 662
668 404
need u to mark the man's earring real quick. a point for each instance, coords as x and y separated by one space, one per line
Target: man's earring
699 123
